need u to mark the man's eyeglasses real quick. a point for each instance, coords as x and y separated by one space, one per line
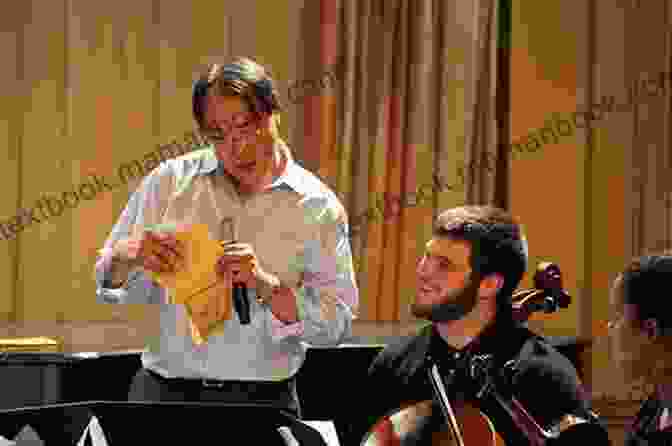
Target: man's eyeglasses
241 125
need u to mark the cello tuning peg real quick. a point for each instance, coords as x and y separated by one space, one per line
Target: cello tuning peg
550 305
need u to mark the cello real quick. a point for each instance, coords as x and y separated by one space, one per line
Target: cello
463 423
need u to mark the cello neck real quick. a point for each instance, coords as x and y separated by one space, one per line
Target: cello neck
482 369
442 397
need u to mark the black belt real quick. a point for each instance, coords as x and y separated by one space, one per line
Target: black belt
265 390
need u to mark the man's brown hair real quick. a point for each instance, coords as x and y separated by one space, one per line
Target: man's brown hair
240 77
496 240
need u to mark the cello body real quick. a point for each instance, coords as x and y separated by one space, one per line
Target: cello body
423 424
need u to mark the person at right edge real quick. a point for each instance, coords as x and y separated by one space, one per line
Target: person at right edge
471 266
640 343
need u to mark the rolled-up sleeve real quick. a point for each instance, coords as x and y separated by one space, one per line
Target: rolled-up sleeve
328 298
145 207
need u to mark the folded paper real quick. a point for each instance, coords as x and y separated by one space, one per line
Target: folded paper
195 284
94 433
327 429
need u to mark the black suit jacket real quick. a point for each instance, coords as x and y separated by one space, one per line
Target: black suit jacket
545 381
644 430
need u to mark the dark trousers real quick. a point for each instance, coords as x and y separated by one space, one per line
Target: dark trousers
149 386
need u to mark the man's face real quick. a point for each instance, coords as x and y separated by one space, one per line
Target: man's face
444 279
239 137
628 343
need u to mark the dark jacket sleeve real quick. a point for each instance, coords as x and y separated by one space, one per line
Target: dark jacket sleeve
548 387
640 431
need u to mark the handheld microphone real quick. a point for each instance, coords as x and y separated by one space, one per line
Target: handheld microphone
239 295
241 303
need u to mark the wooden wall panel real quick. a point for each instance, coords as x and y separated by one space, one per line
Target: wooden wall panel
651 161
547 185
611 146
11 34
45 251
113 76
173 36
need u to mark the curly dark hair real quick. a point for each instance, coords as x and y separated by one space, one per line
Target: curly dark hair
496 239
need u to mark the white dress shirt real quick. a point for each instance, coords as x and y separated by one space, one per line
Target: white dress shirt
299 231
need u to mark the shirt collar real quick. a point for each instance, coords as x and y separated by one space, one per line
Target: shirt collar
292 177
488 341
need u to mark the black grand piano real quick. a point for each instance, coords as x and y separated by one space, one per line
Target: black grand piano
79 386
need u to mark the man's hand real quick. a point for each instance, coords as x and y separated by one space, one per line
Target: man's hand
283 304
240 260
154 251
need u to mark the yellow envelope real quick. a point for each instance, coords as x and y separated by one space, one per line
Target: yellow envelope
196 285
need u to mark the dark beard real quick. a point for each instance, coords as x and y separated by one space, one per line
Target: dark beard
454 305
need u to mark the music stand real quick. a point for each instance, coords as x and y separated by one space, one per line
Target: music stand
57 424
125 422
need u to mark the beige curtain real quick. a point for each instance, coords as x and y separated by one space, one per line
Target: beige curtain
482 138
649 74
628 160
646 118
412 110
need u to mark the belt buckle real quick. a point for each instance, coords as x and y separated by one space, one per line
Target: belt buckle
212 383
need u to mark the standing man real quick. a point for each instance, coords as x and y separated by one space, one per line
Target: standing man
292 252
472 265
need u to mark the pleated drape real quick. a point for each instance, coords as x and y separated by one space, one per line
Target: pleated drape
408 130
